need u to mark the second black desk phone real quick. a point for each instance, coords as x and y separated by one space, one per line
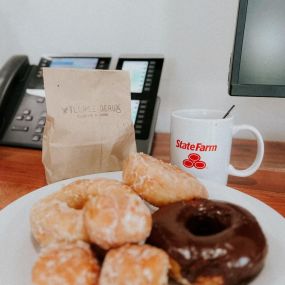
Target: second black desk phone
22 96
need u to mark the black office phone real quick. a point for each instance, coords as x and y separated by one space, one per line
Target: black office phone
22 96
145 76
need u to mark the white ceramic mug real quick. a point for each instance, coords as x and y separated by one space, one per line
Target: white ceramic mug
201 141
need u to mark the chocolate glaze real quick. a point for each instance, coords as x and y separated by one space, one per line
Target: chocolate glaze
210 238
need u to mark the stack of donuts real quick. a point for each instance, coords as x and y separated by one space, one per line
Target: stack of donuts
102 232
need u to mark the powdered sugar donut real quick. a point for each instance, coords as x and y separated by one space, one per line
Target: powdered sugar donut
158 182
66 264
62 217
55 221
59 216
135 264
116 217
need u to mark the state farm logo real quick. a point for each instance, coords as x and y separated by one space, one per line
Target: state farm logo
194 160
195 146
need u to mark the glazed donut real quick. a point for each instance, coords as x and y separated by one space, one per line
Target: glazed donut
59 216
117 218
66 264
62 217
160 183
209 242
135 264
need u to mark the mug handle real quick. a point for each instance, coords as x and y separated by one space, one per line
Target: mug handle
259 155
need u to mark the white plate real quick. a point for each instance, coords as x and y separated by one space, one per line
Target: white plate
18 253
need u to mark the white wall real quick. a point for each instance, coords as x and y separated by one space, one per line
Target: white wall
195 36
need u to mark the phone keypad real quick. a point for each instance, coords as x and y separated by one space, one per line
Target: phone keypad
39 130
149 76
25 115
20 128
36 138
42 122
140 117
26 112
29 118
41 100
26 124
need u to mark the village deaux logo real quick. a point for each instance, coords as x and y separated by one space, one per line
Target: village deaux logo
78 109
83 110
194 159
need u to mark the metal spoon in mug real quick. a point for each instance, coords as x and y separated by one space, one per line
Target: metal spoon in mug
228 112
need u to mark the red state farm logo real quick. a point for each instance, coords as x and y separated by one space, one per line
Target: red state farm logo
193 160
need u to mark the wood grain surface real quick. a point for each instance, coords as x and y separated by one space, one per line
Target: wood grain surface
21 171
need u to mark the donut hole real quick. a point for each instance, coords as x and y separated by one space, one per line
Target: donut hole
205 225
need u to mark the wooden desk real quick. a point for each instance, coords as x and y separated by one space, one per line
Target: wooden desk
21 171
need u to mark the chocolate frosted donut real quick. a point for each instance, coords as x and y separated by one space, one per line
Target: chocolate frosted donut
209 242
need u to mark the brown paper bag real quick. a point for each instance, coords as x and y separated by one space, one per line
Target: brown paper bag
88 127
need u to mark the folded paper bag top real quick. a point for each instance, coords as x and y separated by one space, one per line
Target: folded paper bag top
88 127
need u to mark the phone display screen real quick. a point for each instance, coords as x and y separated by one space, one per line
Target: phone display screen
134 109
137 71
74 62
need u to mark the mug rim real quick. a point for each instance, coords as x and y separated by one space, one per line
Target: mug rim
177 114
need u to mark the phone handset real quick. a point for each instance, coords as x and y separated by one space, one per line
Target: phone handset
11 75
